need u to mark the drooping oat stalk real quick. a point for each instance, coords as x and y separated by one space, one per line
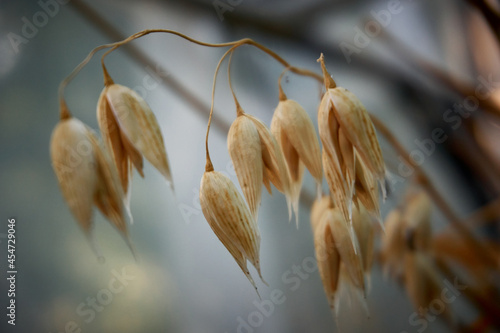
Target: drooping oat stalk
350 159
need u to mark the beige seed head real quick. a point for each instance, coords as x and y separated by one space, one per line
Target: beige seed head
294 131
74 162
274 162
421 281
86 176
342 116
340 154
367 191
349 293
416 217
346 243
257 160
355 120
327 255
393 244
131 132
336 184
363 227
244 147
319 208
228 215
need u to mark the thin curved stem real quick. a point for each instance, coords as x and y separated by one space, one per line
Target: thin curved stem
282 96
209 166
247 41
64 110
239 110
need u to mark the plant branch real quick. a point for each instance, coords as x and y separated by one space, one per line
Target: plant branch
483 254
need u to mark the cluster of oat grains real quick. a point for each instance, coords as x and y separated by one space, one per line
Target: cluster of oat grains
350 159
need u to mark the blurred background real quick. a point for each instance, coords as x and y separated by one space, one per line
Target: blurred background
429 56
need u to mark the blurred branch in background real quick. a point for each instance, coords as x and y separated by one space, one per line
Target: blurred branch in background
490 14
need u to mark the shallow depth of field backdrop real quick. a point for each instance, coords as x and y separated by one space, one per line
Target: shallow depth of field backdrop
186 280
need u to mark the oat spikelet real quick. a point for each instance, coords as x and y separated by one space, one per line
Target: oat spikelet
319 208
74 161
353 117
131 132
363 227
339 160
348 292
367 191
245 149
346 244
349 138
422 281
393 245
86 176
407 229
335 183
416 218
275 170
327 256
228 215
294 131
257 160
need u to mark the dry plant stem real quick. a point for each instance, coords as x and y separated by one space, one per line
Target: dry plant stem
483 254
485 214
482 216
446 79
116 45
239 110
282 96
247 41
475 296
454 84
293 69
490 15
209 167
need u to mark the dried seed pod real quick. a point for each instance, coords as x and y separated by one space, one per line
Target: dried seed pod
74 162
319 208
348 292
294 131
244 147
131 132
274 162
367 191
363 228
86 176
346 131
230 219
257 159
335 183
353 117
338 158
327 255
347 245
422 281
393 244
